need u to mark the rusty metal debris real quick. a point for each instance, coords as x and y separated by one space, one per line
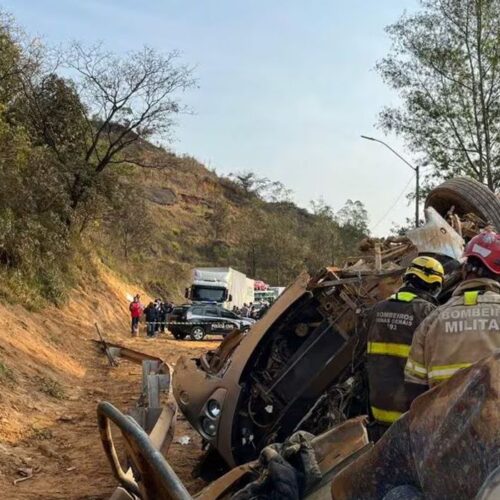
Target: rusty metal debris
333 450
447 443
302 365
105 347
149 477
149 422
155 380
120 351
25 473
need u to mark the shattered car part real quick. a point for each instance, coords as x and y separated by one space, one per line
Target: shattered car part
332 452
150 476
446 444
121 351
155 421
437 236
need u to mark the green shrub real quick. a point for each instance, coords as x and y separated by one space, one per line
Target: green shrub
52 388
6 374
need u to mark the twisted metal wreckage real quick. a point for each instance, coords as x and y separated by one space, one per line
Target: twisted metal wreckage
301 368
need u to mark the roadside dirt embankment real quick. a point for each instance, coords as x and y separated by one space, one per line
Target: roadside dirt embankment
51 378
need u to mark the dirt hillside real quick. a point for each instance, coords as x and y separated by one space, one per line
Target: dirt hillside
51 378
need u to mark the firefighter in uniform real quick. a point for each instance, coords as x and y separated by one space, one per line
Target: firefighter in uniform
392 324
467 327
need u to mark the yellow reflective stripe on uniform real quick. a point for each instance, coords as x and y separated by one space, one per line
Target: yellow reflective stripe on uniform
443 372
389 349
385 415
471 298
404 296
416 369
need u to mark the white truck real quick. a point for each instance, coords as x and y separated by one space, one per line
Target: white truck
223 285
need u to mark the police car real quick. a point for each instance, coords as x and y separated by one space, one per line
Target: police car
198 320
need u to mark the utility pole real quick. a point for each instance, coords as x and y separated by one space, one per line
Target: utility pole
417 195
415 169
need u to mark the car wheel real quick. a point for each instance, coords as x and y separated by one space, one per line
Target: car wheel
197 333
467 196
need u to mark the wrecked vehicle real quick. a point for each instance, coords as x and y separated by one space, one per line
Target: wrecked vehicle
302 365
443 447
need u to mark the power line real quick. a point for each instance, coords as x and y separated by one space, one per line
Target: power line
394 204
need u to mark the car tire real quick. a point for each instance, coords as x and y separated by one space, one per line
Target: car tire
197 333
468 196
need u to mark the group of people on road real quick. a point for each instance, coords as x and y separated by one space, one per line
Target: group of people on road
251 310
414 344
155 314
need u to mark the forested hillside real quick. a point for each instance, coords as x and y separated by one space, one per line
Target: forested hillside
81 180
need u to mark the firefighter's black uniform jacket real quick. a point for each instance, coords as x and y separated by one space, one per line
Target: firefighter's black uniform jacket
391 326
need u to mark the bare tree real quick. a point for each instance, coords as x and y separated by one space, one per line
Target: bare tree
262 187
249 182
124 100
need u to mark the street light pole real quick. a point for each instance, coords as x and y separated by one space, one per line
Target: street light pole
417 195
415 169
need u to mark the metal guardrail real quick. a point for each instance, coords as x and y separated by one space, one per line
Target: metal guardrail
148 428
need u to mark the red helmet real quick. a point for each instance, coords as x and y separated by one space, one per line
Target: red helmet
485 247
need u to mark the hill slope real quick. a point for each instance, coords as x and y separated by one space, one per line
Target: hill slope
185 216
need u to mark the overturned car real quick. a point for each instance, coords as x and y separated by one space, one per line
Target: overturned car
302 366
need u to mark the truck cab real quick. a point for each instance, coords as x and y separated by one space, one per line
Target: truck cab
220 285
202 291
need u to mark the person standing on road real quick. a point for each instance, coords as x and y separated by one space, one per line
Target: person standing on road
263 310
150 313
467 327
162 317
392 324
169 307
159 313
136 309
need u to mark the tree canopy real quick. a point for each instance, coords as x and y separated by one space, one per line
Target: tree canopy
444 65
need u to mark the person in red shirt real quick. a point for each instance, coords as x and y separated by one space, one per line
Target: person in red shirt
136 310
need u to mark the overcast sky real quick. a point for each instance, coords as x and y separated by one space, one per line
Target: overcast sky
286 87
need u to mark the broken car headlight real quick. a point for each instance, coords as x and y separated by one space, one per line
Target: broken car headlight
213 408
209 426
